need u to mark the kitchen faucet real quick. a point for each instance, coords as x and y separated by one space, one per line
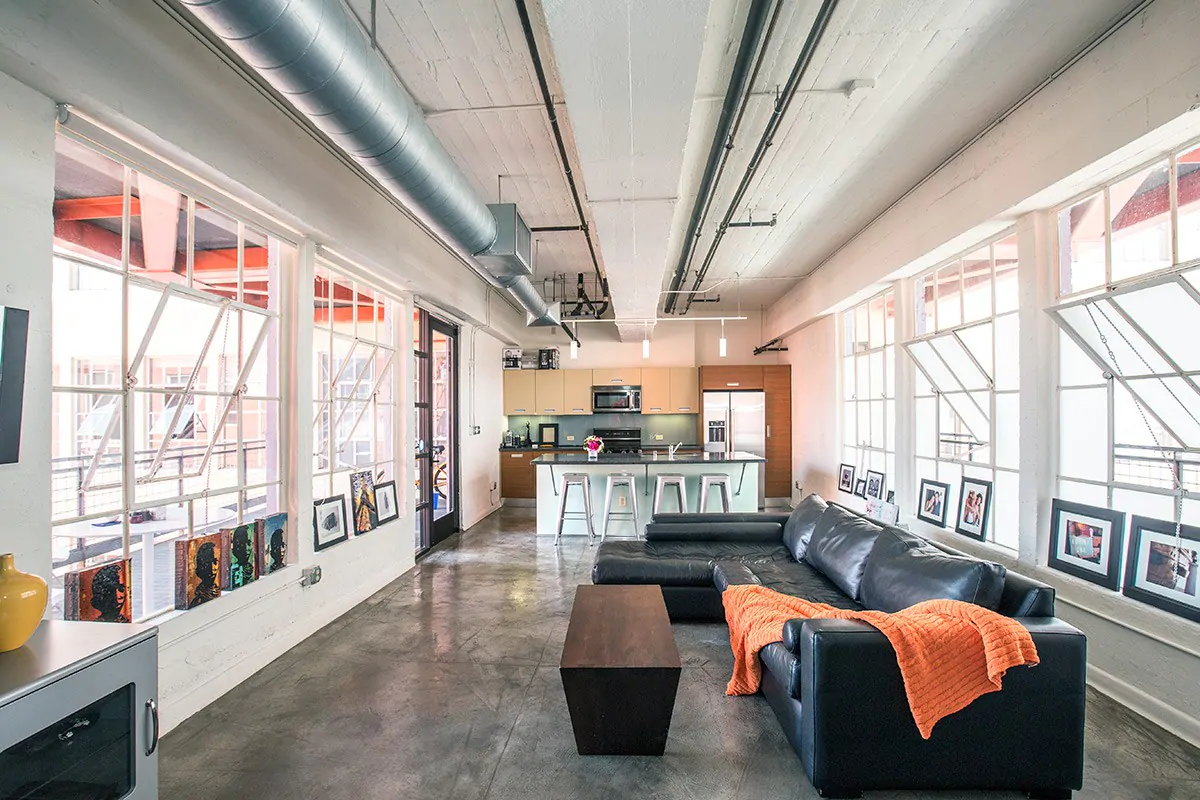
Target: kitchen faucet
672 449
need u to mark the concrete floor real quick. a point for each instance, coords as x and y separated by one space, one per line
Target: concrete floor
445 685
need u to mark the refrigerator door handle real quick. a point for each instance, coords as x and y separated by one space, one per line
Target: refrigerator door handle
768 431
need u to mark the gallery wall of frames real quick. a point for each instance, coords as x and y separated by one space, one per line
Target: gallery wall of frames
1125 514
170 446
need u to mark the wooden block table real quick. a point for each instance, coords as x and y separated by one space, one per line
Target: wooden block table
620 670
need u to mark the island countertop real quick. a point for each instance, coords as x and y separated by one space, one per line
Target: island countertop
581 459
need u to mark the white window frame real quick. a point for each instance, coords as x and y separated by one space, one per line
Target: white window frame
862 454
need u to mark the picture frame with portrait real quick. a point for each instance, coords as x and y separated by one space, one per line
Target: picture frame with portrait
846 478
385 499
329 522
974 507
860 488
1087 542
1162 571
875 484
933 501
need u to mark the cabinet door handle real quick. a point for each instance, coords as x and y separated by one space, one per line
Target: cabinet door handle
514 455
616 380
768 431
734 384
153 709
656 408
577 410
685 408
547 410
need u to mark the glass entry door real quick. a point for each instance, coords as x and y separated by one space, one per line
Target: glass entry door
435 345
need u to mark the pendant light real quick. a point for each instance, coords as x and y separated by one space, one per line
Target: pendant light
722 348
646 347
575 343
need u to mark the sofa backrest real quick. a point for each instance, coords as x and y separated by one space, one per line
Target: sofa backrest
1021 596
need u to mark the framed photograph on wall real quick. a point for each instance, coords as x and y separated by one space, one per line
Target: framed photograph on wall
860 487
875 481
1086 541
329 522
846 478
974 503
933 501
385 499
1164 570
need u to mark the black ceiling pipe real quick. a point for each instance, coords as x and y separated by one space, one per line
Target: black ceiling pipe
768 136
531 43
736 93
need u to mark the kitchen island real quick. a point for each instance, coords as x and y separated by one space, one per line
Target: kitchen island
743 469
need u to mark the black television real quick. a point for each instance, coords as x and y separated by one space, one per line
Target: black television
14 333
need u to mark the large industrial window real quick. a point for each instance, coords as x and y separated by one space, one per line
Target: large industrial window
354 368
869 386
166 398
1129 374
967 383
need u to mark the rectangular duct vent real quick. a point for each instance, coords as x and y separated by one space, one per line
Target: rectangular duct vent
511 255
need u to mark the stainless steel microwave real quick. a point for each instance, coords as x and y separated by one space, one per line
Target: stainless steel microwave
622 399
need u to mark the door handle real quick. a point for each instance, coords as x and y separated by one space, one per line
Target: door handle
733 384
768 431
153 709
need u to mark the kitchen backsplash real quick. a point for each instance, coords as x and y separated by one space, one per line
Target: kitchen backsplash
673 427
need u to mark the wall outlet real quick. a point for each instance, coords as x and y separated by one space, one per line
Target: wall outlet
658 437
570 438
476 430
621 501
310 575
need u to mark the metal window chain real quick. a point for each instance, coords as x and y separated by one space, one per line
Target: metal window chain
1175 480
221 367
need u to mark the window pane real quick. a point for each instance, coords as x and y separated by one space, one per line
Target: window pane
88 203
1008 431
978 341
1175 402
875 310
1083 433
1008 352
1170 317
977 285
178 340
861 324
848 375
949 306
1006 274
1141 223
1187 174
158 236
1075 368
1133 355
926 427
875 362
889 421
85 472
877 435
86 332
1081 245
924 304
935 369
956 358
1132 426
889 363
215 262
889 319
1005 527
864 377
1086 493
864 424
1144 504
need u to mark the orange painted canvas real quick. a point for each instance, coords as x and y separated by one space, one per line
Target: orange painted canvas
198 567
99 594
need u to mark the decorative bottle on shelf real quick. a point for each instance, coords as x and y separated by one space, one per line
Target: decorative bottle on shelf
22 603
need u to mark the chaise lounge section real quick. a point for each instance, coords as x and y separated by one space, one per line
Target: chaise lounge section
835 685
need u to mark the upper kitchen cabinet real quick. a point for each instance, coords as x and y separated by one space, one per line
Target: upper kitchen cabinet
520 391
549 387
731 378
577 391
685 391
621 376
656 390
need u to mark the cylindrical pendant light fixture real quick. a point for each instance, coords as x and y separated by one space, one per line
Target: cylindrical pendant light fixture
575 343
646 348
722 349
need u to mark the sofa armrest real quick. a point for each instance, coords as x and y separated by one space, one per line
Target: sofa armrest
742 516
742 532
858 729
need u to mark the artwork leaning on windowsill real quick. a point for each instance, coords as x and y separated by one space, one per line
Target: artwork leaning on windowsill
14 335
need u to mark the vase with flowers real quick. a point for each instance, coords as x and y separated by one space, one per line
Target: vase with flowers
594 445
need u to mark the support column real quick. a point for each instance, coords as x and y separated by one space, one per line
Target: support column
905 480
297 320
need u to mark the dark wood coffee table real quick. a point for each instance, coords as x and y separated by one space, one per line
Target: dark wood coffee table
620 670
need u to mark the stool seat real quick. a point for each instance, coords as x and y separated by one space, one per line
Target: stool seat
615 481
708 481
667 480
584 482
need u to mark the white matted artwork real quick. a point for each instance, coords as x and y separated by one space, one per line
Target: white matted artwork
1085 541
887 513
385 500
1163 569
329 522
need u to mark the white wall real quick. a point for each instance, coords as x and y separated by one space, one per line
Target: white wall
27 231
812 352
479 466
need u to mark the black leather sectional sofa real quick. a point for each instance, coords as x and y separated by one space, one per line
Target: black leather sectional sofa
835 685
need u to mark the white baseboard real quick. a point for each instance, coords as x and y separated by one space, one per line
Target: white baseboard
1148 706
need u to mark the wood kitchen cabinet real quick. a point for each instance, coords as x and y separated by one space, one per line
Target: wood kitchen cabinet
548 391
656 390
722 378
777 385
517 477
520 391
685 390
621 376
577 391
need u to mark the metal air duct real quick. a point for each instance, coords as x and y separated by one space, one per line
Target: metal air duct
314 53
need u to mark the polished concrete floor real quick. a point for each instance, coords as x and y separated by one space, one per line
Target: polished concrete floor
445 685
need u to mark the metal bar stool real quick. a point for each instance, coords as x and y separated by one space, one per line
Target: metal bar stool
614 480
584 482
708 481
661 483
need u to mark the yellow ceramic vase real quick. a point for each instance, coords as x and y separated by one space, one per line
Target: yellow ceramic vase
22 603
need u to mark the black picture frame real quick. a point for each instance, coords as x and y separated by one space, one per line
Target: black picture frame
871 475
891 496
860 488
388 489
938 515
337 505
846 478
14 340
542 441
1140 585
1095 568
967 527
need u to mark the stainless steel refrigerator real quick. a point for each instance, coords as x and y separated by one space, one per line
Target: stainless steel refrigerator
737 421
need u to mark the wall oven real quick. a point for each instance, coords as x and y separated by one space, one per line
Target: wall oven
622 399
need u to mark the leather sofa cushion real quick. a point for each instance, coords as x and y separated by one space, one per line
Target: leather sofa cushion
710 552
733 573
784 665
901 573
840 546
803 581
756 532
660 571
798 529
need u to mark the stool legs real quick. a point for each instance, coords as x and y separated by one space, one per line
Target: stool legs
584 485
614 483
562 511
608 495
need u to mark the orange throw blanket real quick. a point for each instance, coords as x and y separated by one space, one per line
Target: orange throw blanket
950 652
